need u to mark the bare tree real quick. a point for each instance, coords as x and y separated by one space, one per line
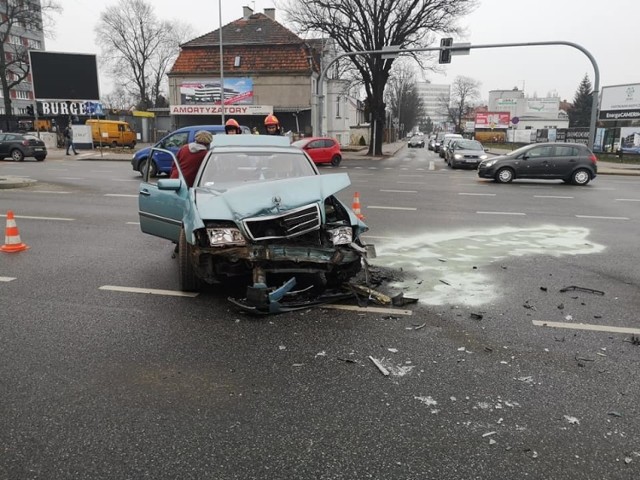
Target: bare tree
138 48
402 96
464 93
364 25
14 55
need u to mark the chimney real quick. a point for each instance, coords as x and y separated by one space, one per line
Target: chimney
271 13
246 12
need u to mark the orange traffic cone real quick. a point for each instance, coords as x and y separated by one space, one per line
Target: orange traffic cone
356 206
12 242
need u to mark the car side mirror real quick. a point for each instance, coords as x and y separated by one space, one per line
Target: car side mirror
169 184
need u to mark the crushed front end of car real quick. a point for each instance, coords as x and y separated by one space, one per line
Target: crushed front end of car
280 235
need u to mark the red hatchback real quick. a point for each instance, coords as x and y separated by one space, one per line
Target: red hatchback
321 149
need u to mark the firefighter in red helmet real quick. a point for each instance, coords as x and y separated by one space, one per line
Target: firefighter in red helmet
272 125
232 127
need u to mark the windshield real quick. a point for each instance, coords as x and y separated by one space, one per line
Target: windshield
469 145
233 167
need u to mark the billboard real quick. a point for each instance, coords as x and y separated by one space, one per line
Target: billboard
542 105
620 102
493 119
64 76
198 91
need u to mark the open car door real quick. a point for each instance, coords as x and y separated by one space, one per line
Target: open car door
162 203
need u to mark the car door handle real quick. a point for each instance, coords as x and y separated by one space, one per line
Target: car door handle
145 192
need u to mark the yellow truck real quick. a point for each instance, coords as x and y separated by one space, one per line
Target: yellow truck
112 133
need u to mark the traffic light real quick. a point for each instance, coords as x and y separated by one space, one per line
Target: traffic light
445 55
30 110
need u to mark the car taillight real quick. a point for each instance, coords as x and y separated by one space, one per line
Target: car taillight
593 158
25 143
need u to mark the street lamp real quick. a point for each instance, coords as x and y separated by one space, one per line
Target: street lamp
221 64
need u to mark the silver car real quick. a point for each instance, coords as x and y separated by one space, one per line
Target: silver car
465 153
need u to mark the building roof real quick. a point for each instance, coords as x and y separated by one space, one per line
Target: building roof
252 39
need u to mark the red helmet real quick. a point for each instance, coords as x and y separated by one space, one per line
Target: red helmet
232 125
271 120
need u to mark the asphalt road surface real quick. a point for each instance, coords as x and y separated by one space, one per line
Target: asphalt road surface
518 361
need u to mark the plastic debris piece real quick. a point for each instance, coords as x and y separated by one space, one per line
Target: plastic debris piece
488 434
377 297
628 460
446 283
476 316
393 350
614 414
561 306
544 289
418 327
377 363
400 300
492 441
572 420
581 289
346 360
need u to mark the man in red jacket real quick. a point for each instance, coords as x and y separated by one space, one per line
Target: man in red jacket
190 157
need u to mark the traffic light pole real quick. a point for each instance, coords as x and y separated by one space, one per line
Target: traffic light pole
463 49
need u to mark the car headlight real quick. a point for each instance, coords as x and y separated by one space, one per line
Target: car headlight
457 156
484 157
489 163
224 237
341 235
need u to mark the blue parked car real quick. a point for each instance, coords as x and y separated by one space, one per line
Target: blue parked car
162 161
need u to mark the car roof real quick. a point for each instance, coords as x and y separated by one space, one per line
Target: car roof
249 141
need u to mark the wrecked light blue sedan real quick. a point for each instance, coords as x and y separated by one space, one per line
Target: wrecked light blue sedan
258 208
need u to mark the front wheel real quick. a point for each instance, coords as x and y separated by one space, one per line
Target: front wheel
504 175
581 177
335 161
143 167
188 280
17 155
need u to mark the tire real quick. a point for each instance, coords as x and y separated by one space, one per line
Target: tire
504 175
17 155
335 161
581 177
41 159
143 166
114 144
187 279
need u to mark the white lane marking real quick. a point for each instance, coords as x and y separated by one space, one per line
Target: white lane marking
120 195
550 196
410 175
152 291
390 208
47 191
388 168
411 183
586 326
7 279
627 199
602 218
478 194
60 219
501 213
373 168
399 191
390 311
123 180
71 178
133 223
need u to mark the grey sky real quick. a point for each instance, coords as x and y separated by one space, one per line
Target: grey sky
607 30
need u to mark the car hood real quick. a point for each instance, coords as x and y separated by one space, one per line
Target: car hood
266 198
471 152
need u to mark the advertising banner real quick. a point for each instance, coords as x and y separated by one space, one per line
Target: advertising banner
630 139
198 91
620 102
542 105
216 109
493 120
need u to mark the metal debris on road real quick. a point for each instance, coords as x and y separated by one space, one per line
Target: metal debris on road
572 420
581 289
476 316
377 363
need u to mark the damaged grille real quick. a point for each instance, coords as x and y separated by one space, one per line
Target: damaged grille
291 223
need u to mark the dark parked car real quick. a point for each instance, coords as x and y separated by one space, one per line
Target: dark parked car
417 141
20 145
569 162
321 149
465 153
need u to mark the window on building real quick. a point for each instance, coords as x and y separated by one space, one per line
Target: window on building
35 44
15 40
22 95
338 106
